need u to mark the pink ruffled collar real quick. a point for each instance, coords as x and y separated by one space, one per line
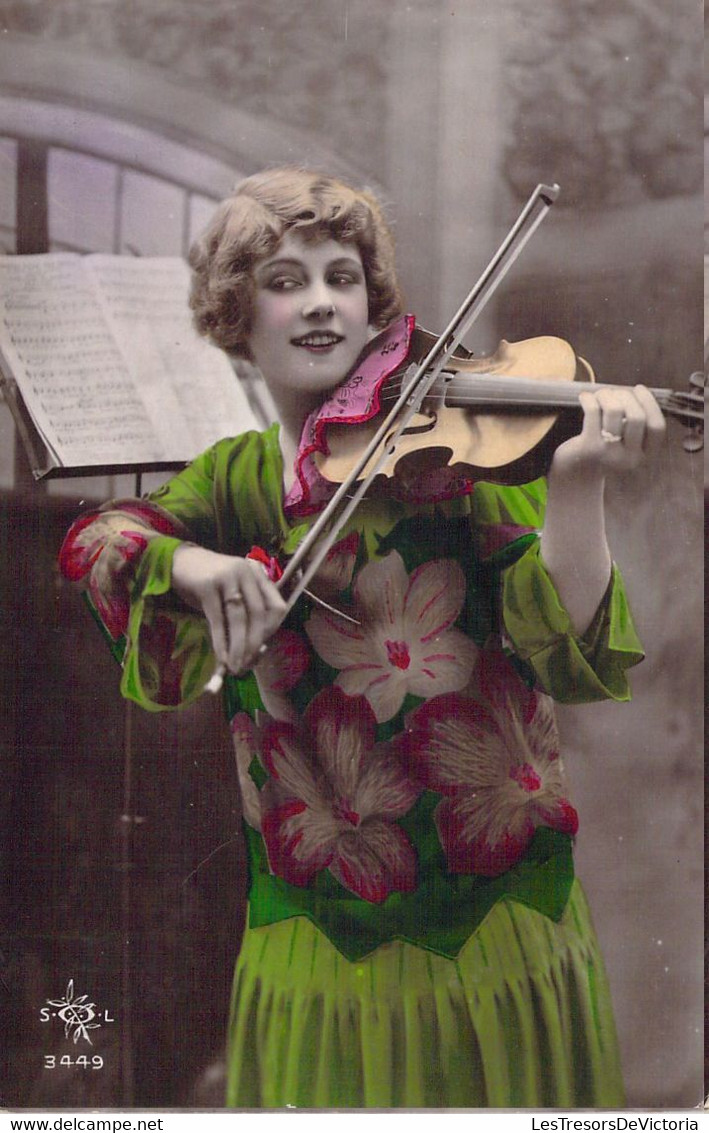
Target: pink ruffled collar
352 403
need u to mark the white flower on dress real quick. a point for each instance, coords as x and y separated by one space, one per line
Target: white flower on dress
495 759
332 799
404 642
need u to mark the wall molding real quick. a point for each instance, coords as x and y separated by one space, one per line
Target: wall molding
66 95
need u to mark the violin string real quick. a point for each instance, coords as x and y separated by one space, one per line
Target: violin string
532 393
689 410
526 388
517 390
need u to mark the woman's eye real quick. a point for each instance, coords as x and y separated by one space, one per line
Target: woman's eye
283 283
344 279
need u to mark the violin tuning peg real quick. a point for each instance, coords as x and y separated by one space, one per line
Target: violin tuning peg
694 441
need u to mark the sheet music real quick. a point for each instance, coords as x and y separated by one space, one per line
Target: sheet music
73 378
108 363
188 386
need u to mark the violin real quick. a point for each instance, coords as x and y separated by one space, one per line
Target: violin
496 418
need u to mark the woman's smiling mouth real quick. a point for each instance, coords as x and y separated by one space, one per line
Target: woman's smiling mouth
318 340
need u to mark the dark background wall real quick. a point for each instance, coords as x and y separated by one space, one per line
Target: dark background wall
133 887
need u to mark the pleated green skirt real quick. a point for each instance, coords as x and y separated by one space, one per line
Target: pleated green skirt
522 1018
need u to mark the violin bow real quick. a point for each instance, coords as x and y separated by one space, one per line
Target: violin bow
418 381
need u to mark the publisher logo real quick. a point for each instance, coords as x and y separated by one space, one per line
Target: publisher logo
78 1016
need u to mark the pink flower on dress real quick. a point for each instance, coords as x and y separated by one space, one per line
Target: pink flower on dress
495 758
404 643
278 671
161 662
332 798
283 664
335 572
244 737
108 544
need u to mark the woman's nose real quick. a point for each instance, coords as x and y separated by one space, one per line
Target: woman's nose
318 304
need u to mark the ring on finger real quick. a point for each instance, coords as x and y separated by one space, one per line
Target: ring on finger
611 438
234 600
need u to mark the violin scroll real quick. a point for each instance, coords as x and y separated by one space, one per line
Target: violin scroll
693 402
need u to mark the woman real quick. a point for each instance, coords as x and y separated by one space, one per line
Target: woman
415 934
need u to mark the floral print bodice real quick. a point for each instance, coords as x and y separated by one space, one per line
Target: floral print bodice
399 767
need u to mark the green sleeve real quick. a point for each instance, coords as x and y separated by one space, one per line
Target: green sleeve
168 657
189 498
221 501
570 668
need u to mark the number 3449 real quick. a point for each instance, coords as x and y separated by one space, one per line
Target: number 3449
51 1061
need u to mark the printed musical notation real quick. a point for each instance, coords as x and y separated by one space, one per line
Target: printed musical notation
108 364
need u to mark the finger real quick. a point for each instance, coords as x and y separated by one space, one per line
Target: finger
254 615
263 611
632 426
214 613
275 607
592 414
613 405
252 660
275 604
245 626
265 620
234 616
599 426
655 425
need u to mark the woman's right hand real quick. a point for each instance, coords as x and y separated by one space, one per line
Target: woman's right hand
242 606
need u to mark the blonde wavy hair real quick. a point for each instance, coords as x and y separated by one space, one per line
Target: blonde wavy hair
251 223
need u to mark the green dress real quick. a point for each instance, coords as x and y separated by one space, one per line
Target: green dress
415 934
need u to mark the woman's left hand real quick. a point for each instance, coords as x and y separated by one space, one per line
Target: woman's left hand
621 426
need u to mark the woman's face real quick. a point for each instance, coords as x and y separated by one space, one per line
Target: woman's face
310 316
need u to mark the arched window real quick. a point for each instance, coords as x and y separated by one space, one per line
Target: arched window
80 181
